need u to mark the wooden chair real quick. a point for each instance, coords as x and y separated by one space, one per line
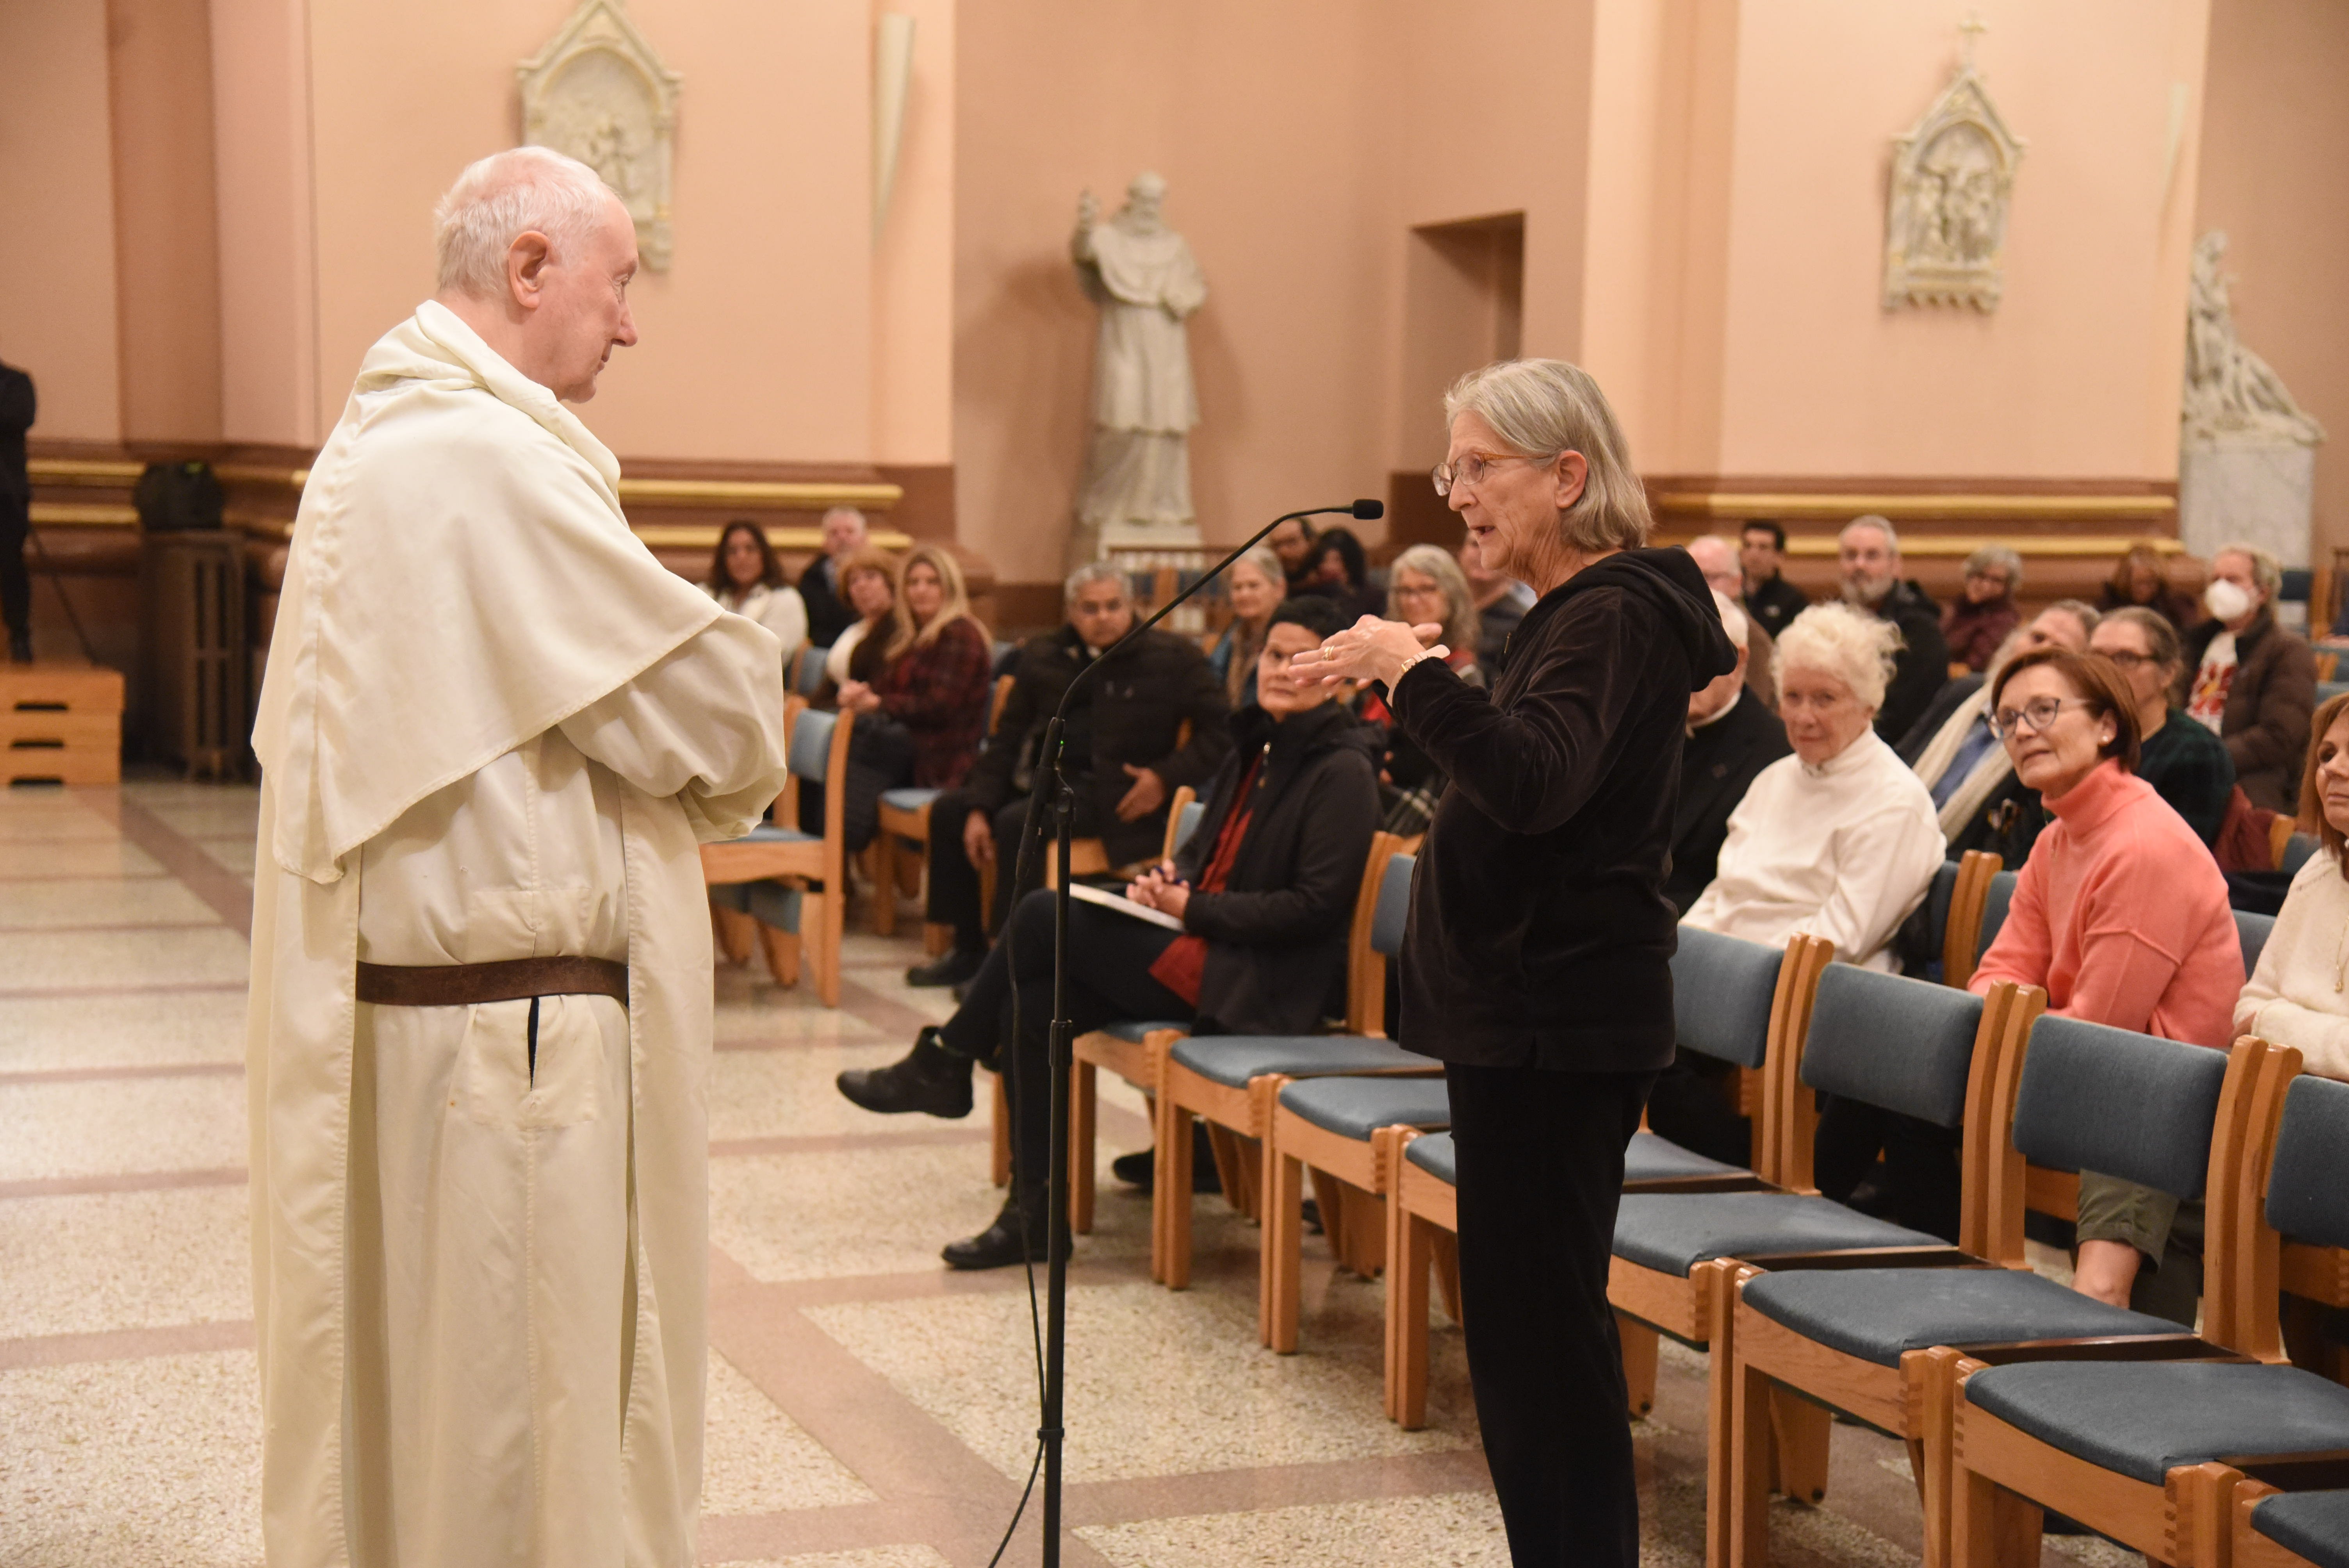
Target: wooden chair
1129 1047
776 855
2300 1529
1963 939
806 668
1866 1342
1229 1081
1343 1130
1735 1001
905 819
2151 1451
1900 1044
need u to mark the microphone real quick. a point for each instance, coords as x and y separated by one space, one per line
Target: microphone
1370 511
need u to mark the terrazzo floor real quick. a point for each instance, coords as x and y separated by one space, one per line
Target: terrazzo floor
868 1409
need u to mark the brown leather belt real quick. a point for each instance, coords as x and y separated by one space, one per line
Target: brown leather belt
512 980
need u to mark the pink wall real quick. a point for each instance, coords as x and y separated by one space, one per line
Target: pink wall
2067 378
913 259
1270 126
271 383
2272 178
56 305
757 342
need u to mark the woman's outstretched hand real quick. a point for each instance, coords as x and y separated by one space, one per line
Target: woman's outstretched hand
1369 650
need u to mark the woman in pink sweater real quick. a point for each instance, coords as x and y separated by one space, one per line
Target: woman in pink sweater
2121 915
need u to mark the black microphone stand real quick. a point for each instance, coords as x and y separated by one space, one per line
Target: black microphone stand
1054 794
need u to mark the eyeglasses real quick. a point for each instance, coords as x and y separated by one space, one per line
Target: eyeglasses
1470 471
2130 661
2038 713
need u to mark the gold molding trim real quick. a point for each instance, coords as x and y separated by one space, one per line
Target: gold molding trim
1957 547
790 496
260 474
1984 507
83 514
704 536
83 472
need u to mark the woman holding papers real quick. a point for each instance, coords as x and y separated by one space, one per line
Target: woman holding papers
1244 932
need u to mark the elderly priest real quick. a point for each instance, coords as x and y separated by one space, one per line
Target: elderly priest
492 731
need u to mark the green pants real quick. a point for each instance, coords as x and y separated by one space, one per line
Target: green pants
2167 1231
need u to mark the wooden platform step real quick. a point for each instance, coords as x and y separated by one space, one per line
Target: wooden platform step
61 724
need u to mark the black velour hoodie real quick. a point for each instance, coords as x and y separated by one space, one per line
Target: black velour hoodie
1539 932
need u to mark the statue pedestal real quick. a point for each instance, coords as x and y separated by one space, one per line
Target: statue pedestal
1126 538
2258 495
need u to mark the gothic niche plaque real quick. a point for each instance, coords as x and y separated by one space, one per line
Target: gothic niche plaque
599 93
1945 235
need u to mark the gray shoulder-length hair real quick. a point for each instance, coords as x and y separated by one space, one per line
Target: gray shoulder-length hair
1541 407
1462 624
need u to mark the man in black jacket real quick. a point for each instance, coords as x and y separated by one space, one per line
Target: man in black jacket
1762 557
17 411
1245 932
828 610
1731 737
1126 749
1870 553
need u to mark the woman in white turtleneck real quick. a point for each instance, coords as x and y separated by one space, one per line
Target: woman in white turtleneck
2299 994
1840 840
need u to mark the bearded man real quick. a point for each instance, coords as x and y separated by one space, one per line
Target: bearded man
492 731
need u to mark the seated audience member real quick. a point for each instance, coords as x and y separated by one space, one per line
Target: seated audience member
1341 574
1981 803
1501 602
1731 738
869 586
1257 582
2121 915
1264 892
2295 997
1425 587
2141 580
1717 556
2254 683
746 578
1125 753
2186 764
1768 597
920 718
1292 541
1985 612
1838 840
823 586
1869 556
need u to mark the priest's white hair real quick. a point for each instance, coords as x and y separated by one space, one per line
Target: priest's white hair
507 194
1834 639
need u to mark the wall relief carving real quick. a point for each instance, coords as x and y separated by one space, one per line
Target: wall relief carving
598 92
2233 398
1952 177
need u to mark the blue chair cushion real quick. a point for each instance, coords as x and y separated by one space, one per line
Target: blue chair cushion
1878 1314
2143 1420
1904 1044
1356 1107
773 904
1672 1232
1233 1059
1653 1158
909 799
810 752
1435 1155
2095 1097
2313 1523
775 833
1995 903
2307 1199
1135 1031
1721 991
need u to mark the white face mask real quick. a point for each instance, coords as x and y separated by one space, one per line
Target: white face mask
2227 601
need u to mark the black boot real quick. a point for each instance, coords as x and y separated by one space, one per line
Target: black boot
954 967
1017 1236
930 1078
1140 1169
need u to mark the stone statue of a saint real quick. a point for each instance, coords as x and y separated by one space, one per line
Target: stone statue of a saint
2247 450
1136 487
